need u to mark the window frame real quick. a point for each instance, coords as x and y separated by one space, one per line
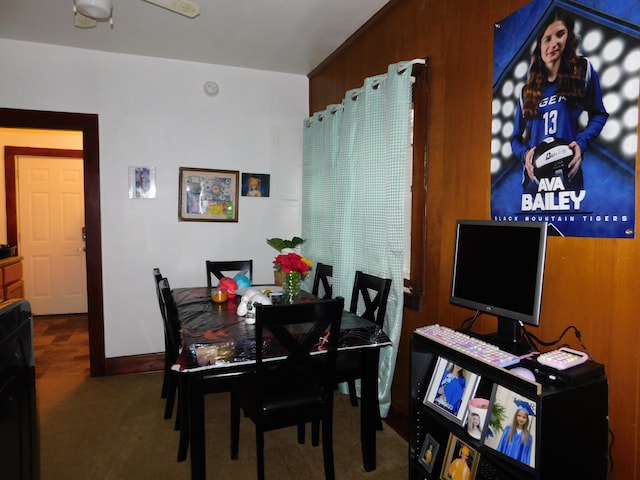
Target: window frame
414 285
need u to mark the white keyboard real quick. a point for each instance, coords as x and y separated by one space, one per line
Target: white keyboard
562 358
471 346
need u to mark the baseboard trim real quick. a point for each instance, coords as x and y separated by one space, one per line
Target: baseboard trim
149 362
398 419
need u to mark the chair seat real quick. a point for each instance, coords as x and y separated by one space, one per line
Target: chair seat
279 402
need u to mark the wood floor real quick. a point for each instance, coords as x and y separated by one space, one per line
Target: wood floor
61 344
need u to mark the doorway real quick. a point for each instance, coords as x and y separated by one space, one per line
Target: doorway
88 125
51 219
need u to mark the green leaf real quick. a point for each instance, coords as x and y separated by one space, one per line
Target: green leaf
279 244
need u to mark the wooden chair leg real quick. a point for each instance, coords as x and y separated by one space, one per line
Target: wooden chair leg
171 396
315 433
301 433
327 448
352 392
235 428
260 452
183 405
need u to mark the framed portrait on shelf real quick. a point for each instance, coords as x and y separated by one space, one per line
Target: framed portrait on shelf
429 453
208 195
450 389
512 431
460 461
142 182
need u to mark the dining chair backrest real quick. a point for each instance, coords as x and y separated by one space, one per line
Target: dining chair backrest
374 292
322 278
219 269
157 276
275 322
172 322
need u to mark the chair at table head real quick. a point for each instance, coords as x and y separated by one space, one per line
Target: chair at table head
374 292
227 269
298 389
322 278
171 325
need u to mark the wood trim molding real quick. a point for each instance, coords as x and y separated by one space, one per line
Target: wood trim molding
88 125
149 362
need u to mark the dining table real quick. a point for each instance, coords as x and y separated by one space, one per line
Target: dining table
218 346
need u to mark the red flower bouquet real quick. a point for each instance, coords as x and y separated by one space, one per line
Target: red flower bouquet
292 262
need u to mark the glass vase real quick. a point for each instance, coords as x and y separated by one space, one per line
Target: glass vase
291 287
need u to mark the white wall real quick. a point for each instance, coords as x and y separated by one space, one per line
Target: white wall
154 112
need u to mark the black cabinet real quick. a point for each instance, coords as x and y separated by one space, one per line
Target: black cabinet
567 433
18 419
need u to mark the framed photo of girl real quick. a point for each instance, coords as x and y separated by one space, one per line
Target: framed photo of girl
450 389
512 431
460 461
429 452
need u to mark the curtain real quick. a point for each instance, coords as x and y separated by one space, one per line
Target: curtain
353 211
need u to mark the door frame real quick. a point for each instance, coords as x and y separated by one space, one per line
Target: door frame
88 125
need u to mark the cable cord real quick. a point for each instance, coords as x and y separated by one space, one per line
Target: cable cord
530 337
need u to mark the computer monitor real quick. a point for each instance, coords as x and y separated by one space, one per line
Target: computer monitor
498 268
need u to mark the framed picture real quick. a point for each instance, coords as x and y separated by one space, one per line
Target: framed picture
208 195
512 430
460 461
142 182
450 389
256 184
428 453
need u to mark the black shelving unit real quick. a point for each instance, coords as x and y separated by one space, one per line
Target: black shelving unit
19 455
571 427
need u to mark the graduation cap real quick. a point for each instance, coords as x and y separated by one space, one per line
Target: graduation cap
523 405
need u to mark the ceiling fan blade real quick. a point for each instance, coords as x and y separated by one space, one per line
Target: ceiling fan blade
83 21
183 7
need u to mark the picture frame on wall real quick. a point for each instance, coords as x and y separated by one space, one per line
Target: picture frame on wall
208 195
460 461
450 389
429 453
256 184
142 182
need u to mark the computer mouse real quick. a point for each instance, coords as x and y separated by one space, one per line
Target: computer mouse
524 373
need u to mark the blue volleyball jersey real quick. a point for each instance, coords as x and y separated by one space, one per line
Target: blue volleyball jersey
556 118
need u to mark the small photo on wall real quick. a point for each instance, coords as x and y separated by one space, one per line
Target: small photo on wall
512 431
255 184
429 453
142 182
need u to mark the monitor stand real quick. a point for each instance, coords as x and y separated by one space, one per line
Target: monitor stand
509 337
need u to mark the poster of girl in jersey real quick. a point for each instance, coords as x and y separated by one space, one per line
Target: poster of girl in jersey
565 117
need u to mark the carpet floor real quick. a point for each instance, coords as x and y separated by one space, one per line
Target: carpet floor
112 428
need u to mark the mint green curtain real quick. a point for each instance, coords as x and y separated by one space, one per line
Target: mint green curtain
353 211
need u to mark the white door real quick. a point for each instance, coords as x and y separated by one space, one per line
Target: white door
51 222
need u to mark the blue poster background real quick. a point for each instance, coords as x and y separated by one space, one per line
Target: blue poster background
609 35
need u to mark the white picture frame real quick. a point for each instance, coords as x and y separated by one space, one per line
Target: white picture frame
450 389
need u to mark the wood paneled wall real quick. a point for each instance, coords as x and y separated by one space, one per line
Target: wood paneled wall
590 283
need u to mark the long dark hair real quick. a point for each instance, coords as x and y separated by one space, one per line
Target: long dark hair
570 76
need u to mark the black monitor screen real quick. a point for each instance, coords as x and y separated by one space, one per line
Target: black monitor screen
498 268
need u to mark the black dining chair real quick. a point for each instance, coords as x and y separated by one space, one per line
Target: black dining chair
322 279
157 276
172 345
374 293
297 389
218 269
